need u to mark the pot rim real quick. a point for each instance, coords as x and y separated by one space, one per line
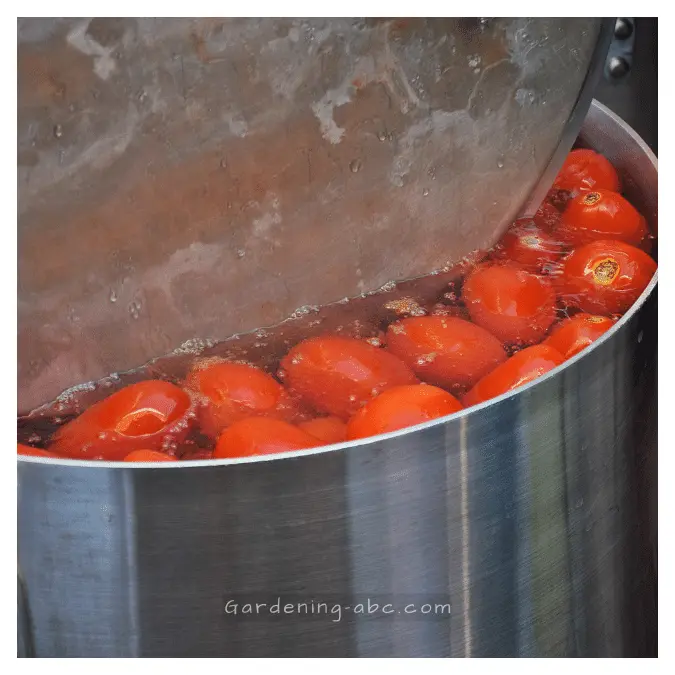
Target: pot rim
160 466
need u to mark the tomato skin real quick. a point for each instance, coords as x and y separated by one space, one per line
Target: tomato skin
445 351
149 456
514 305
262 436
139 417
604 277
573 335
233 391
337 375
530 246
547 216
587 170
401 407
329 429
29 451
600 214
523 367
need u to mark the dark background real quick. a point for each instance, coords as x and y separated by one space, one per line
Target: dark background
634 96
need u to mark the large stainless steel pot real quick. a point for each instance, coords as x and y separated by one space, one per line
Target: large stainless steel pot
532 516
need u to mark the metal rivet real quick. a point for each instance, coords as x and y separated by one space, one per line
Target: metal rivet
623 29
618 66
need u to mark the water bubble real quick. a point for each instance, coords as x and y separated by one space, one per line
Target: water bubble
425 192
355 165
397 180
579 503
34 438
382 136
58 131
261 333
281 374
223 163
352 398
135 309
500 163
113 296
296 359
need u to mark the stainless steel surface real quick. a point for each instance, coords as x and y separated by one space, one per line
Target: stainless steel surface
202 177
530 514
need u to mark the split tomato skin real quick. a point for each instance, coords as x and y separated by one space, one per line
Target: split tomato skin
587 170
600 214
604 277
337 375
231 391
329 429
401 407
523 367
547 216
531 246
262 436
445 351
141 416
573 335
516 306
149 456
28 451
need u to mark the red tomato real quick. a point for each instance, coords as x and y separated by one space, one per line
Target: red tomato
233 391
573 335
138 417
604 277
445 351
523 367
198 453
262 436
401 407
529 245
547 216
28 451
514 305
558 199
600 214
149 456
327 429
587 170
337 375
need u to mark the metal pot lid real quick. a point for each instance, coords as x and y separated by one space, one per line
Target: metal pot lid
196 178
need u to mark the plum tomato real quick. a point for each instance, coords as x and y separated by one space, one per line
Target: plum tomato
329 429
337 375
231 391
511 303
586 170
573 335
262 436
604 277
445 351
141 416
531 246
29 451
523 367
149 456
600 214
401 407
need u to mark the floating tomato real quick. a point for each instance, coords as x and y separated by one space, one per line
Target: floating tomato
587 170
233 391
514 305
523 367
604 277
29 451
262 436
149 456
578 332
531 246
147 415
337 375
401 407
599 214
445 351
329 429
